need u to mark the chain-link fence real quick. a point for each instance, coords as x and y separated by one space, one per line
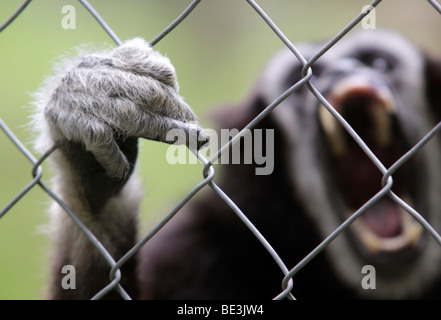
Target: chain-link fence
209 171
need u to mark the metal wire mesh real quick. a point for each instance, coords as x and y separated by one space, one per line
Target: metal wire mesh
209 171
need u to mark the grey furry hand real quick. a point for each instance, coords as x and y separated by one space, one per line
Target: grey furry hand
130 91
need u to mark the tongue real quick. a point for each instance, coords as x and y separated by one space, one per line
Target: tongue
383 218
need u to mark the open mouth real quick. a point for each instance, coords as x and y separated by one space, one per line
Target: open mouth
385 230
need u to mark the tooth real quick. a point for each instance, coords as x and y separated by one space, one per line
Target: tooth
414 231
371 242
412 228
383 109
334 131
383 125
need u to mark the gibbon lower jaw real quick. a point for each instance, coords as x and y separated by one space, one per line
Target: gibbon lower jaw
392 230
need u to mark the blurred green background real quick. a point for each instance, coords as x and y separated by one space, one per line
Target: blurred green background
217 52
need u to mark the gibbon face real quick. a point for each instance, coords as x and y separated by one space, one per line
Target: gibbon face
377 82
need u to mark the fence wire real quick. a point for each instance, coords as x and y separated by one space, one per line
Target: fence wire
209 171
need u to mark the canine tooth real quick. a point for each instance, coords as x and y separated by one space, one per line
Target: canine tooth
371 242
383 125
412 228
333 130
414 231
